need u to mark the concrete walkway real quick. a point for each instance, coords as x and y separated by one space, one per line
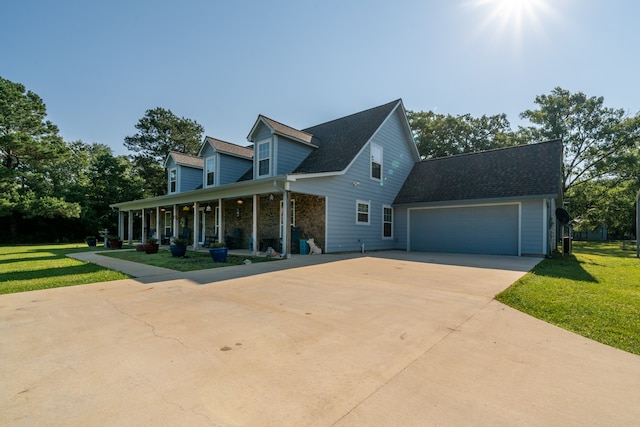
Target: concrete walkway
375 340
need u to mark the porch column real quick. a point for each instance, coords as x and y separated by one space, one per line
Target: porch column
286 222
144 225
254 232
196 224
130 227
157 235
221 221
174 228
120 224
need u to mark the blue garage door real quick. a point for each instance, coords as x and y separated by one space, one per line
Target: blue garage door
473 230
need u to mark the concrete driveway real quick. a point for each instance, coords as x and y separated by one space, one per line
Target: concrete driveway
386 339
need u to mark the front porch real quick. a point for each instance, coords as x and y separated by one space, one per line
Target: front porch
251 224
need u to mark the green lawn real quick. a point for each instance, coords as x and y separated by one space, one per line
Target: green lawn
594 292
32 267
191 261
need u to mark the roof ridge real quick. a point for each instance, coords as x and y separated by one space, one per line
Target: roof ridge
490 150
227 142
353 114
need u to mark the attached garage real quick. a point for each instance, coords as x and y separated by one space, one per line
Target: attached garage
494 202
469 229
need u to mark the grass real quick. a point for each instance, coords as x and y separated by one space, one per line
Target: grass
33 267
594 292
191 261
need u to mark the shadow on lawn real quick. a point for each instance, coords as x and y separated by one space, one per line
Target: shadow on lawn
564 267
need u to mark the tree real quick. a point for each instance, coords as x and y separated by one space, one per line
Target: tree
30 149
159 132
595 137
439 135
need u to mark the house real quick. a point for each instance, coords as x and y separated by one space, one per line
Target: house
355 183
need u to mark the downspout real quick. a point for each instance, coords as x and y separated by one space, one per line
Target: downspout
285 219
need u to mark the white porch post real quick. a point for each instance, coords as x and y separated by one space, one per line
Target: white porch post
120 224
286 205
130 227
174 229
254 232
144 225
196 224
157 235
221 221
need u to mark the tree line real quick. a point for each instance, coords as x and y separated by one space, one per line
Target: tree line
53 190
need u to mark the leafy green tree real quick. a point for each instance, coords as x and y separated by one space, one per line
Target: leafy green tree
595 137
30 150
439 135
159 132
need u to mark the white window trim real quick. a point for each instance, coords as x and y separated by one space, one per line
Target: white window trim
206 171
384 222
176 180
368 204
371 149
292 214
269 157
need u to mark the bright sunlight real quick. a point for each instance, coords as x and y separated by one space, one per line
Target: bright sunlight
513 19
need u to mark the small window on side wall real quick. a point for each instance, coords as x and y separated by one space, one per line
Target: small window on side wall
173 177
362 212
376 162
387 222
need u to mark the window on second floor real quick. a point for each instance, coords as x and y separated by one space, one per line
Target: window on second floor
376 162
173 178
264 158
210 171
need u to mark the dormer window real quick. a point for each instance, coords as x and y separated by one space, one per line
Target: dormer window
376 162
210 171
264 158
173 177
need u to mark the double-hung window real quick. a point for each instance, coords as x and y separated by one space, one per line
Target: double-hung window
362 212
173 178
387 222
211 174
264 158
376 162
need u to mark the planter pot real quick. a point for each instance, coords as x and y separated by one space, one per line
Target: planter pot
115 244
218 254
92 242
151 248
178 250
139 248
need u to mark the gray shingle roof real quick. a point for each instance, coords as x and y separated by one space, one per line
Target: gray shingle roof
187 160
229 148
285 130
524 170
340 140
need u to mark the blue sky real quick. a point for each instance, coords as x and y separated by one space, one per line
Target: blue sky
99 66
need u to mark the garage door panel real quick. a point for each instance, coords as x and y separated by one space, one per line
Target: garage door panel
480 229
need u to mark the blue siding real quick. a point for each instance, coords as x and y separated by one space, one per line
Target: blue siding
342 233
532 227
189 178
231 168
289 154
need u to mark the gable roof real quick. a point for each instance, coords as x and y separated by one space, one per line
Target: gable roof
524 170
340 140
228 148
281 129
185 160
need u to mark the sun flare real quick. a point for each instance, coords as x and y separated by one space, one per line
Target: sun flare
514 19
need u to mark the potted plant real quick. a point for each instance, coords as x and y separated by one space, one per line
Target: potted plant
218 252
115 242
91 240
178 247
151 246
